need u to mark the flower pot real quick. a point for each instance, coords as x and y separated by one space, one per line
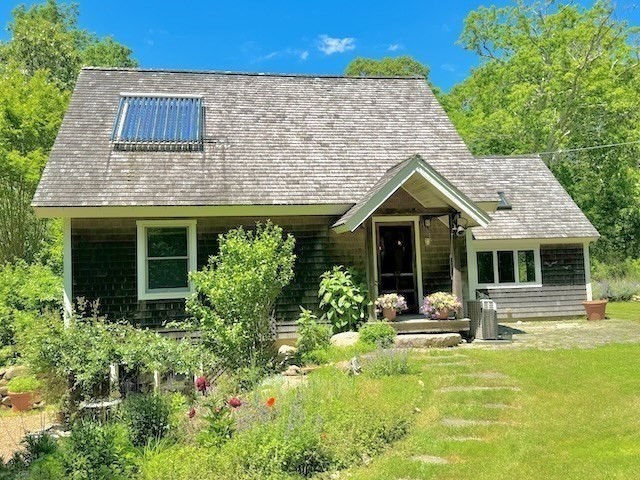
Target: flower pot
21 402
389 313
442 314
595 309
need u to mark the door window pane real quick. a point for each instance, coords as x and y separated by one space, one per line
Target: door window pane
167 242
506 271
168 273
485 267
526 266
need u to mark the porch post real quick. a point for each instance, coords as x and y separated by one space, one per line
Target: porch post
456 264
67 273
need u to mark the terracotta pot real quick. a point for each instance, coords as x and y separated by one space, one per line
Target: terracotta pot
21 402
596 309
389 313
442 314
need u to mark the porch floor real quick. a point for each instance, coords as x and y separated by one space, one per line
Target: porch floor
419 324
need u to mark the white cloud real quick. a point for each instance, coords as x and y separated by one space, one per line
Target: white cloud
448 67
329 45
394 47
304 54
294 52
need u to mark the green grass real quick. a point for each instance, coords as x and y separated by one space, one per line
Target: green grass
624 310
575 417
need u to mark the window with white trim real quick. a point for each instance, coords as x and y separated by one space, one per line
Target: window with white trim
508 267
166 255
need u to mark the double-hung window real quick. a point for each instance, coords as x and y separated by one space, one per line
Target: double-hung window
166 255
508 267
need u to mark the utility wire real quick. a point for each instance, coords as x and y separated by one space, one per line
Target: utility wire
579 149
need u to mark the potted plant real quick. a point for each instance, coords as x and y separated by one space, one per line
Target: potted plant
596 309
391 304
440 305
22 391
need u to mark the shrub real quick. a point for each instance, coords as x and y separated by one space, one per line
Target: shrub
95 451
343 299
380 334
312 336
236 293
620 289
219 423
28 383
386 363
147 416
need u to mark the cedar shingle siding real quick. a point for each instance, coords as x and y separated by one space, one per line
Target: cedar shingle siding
104 263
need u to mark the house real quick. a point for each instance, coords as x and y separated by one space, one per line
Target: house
150 166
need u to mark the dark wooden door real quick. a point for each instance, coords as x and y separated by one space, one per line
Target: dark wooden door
397 262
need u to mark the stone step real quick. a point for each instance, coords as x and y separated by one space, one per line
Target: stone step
428 340
473 388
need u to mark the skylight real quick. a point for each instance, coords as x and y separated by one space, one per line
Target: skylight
503 204
158 122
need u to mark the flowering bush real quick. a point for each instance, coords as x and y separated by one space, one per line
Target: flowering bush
439 302
391 301
202 384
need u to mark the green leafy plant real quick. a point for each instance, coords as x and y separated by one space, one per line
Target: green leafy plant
147 416
219 421
344 301
380 334
27 383
313 337
236 293
387 362
95 451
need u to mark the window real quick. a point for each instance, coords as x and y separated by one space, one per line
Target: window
485 267
166 254
162 122
508 267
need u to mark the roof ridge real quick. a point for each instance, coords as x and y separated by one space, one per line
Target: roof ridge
249 74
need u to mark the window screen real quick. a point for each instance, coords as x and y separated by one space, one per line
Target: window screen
485 267
506 270
526 266
167 258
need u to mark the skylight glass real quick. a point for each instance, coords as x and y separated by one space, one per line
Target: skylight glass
154 120
503 204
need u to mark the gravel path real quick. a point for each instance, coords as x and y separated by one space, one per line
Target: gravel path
13 428
548 335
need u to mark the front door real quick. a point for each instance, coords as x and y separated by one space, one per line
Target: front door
397 261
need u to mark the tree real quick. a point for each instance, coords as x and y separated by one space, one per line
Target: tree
552 78
46 37
38 68
404 66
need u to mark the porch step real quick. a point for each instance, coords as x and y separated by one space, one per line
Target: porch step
425 325
428 340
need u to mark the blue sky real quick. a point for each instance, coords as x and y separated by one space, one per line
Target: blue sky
288 36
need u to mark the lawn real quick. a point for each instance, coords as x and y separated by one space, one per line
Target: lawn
624 310
564 414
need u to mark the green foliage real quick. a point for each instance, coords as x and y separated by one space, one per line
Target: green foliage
237 290
26 292
95 451
344 300
313 337
46 37
380 334
403 66
220 423
628 268
387 362
147 416
617 289
83 352
28 383
555 77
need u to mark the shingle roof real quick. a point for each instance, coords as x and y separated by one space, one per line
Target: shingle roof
270 139
541 208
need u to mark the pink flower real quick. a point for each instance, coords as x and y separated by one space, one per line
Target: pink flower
234 402
202 384
192 412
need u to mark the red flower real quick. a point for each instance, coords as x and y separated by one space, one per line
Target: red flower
202 384
192 412
234 402
271 401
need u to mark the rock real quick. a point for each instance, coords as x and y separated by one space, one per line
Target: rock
428 340
292 371
6 401
3 382
4 391
345 339
17 371
287 351
352 367
309 369
3 370
431 459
